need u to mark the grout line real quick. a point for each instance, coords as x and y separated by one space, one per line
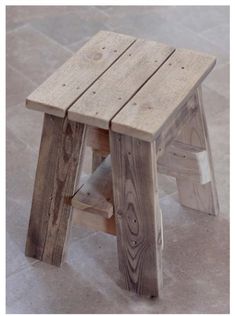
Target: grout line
213 27
38 17
102 11
49 38
79 41
23 268
199 34
21 73
16 28
31 149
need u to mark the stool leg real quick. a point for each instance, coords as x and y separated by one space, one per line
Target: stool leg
60 156
137 212
201 197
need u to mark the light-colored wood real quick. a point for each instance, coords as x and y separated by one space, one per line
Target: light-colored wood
137 211
98 139
194 195
60 158
68 83
97 158
185 162
179 160
96 195
99 104
161 98
173 125
94 221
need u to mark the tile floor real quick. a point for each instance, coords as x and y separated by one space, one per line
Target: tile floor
196 254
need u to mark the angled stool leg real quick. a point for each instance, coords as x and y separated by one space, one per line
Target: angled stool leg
137 211
60 156
197 196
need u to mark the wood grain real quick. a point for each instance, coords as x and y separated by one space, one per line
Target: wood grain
68 83
96 194
97 158
137 211
162 97
98 105
184 161
98 139
60 158
196 196
94 222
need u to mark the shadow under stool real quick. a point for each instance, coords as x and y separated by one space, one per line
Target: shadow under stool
138 104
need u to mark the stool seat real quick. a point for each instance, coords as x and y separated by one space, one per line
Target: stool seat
120 81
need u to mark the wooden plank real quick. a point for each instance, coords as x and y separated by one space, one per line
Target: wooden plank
59 161
201 197
96 195
185 161
109 94
98 139
161 97
67 84
97 158
179 160
137 211
94 222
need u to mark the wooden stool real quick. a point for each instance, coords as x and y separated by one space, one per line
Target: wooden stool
140 101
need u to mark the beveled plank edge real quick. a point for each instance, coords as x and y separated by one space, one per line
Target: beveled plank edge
146 136
46 108
50 109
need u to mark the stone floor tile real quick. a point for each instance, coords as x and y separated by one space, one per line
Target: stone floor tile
26 125
154 27
17 223
18 87
219 35
214 103
73 288
70 28
128 10
197 18
19 15
74 47
219 80
33 54
20 168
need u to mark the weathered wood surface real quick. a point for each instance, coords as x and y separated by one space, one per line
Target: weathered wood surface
99 104
196 196
185 162
67 84
162 97
182 161
59 161
98 139
97 158
137 211
94 222
96 194
179 160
